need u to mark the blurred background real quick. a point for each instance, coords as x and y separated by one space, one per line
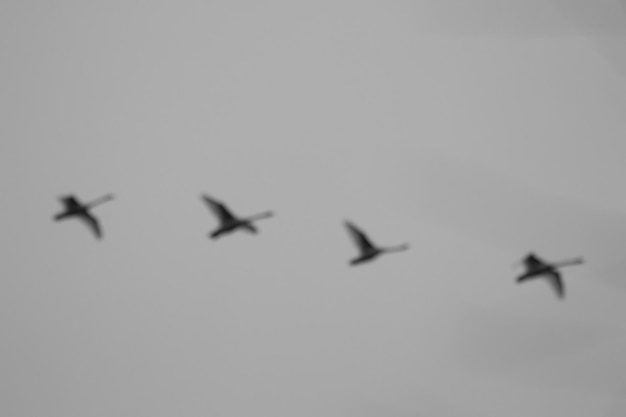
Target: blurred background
475 131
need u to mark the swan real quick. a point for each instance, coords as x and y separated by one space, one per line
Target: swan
74 208
368 251
536 268
230 222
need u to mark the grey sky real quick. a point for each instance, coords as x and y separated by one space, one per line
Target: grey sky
475 133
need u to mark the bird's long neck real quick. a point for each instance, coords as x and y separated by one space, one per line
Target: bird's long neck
100 200
398 248
569 262
259 216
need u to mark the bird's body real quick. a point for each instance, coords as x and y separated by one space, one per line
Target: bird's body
230 222
537 268
368 250
74 208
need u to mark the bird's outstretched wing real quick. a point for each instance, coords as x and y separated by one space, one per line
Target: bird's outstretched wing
360 238
532 261
70 202
92 223
555 280
219 209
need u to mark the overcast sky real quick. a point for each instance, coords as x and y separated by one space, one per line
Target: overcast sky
475 131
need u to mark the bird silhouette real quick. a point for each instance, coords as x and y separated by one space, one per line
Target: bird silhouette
536 268
368 250
230 222
74 208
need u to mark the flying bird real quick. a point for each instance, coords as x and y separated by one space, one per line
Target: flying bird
229 222
368 249
74 208
536 268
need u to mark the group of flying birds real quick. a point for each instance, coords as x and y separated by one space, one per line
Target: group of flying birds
534 266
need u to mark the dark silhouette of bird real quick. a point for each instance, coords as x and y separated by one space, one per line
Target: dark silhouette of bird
368 250
230 222
74 208
536 268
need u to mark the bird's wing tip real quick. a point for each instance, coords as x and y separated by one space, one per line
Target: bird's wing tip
208 197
